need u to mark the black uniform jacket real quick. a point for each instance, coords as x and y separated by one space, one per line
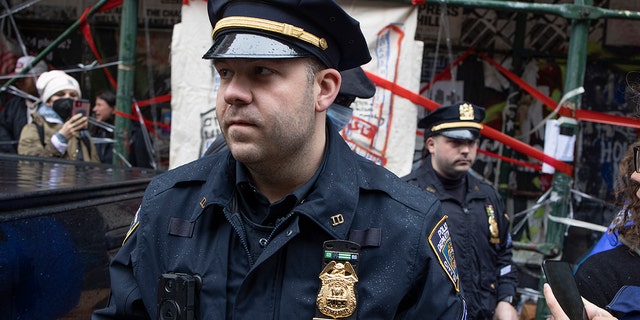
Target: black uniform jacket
184 225
486 269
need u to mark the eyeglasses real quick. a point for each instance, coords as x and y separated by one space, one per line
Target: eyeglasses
636 159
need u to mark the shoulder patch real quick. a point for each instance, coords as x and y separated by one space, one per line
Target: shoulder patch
133 227
442 245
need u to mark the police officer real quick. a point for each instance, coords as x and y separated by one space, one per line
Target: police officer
288 223
355 84
476 215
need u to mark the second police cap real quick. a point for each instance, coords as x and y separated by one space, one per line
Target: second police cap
459 121
286 29
356 83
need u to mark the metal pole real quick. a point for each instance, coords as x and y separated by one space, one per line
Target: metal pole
126 76
518 45
576 10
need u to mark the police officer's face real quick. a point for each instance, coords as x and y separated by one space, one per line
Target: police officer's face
270 108
451 158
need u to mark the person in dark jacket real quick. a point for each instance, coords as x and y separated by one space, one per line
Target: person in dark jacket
17 112
355 84
140 148
288 223
475 211
104 111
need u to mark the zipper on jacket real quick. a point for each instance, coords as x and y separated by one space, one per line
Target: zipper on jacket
276 228
235 220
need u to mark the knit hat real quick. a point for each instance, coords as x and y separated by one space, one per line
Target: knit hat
24 61
49 83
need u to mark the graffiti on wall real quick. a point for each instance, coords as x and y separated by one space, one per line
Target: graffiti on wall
368 130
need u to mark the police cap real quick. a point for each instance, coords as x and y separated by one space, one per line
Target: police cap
356 83
278 29
459 121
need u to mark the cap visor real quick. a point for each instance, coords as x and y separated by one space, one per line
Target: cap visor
461 134
252 46
356 83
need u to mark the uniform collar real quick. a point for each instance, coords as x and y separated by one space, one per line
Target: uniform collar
434 185
256 205
330 203
242 179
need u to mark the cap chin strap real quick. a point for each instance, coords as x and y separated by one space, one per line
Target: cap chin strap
271 26
460 124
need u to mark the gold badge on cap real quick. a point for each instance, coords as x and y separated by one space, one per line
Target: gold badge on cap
466 112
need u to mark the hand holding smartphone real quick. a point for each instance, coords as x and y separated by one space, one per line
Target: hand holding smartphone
82 107
560 277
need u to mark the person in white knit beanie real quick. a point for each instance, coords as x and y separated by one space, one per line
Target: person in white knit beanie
57 83
55 131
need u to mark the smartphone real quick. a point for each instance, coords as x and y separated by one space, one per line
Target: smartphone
81 106
560 277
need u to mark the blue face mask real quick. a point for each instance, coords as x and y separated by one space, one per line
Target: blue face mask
339 115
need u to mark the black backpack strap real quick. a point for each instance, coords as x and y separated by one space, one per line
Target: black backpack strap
40 132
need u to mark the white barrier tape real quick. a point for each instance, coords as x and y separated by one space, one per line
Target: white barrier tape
530 210
589 197
567 96
578 223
